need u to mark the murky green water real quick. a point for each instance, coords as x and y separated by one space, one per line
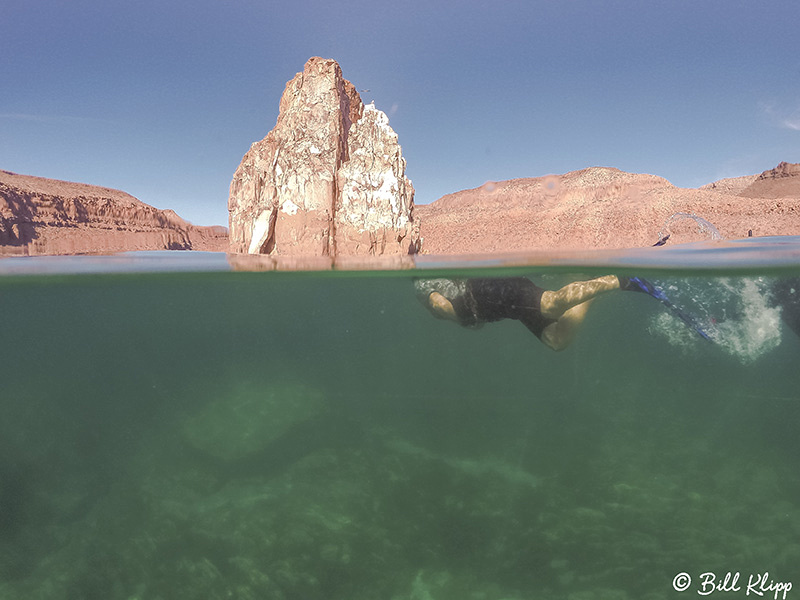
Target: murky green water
321 436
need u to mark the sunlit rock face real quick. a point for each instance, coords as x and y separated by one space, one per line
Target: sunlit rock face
605 208
375 204
328 179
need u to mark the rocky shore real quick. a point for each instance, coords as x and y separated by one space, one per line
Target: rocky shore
607 208
46 216
595 208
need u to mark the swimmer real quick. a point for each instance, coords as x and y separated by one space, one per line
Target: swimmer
552 316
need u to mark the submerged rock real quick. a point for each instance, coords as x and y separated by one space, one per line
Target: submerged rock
250 418
328 179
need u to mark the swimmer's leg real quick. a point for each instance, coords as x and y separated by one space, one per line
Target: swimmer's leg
557 336
554 304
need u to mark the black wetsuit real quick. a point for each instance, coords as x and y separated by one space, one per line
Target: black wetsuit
497 298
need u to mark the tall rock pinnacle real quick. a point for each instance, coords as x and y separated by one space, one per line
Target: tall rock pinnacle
328 179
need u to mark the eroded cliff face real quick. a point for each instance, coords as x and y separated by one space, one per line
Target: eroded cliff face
329 179
45 216
374 211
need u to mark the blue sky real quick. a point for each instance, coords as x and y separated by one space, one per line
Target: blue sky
162 99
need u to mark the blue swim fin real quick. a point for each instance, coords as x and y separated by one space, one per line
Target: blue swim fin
640 284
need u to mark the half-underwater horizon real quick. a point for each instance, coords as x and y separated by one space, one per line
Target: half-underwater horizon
175 428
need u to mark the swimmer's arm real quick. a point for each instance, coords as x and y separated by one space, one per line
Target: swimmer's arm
441 306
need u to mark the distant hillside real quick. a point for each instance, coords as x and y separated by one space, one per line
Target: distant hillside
47 216
604 207
781 182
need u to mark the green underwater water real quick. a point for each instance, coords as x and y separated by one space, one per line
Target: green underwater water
321 436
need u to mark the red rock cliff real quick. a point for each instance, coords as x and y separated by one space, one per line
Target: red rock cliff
46 216
328 180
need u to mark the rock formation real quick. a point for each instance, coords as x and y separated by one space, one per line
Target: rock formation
249 418
328 180
45 216
781 182
606 208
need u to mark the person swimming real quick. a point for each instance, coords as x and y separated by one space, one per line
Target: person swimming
552 316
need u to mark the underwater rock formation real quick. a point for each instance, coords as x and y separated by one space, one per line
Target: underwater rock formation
46 216
249 419
328 179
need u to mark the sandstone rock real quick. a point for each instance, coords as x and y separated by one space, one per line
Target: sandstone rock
598 208
374 209
46 216
781 182
328 179
730 185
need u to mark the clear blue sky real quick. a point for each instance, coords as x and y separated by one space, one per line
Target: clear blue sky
162 98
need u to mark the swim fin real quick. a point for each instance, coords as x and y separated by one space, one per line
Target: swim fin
640 284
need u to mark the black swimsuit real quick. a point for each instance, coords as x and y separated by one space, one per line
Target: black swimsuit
494 299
